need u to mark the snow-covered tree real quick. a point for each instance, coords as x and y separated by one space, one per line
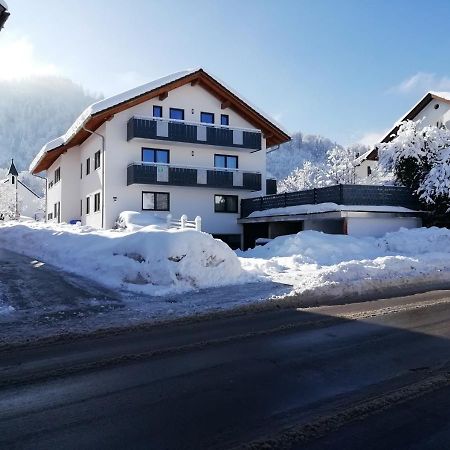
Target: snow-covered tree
420 159
339 167
306 177
7 201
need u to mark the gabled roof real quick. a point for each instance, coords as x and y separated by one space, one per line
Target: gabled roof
411 115
12 169
415 110
98 113
7 180
361 158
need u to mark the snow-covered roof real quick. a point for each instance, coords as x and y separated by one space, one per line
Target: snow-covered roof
361 158
3 3
115 100
419 106
327 207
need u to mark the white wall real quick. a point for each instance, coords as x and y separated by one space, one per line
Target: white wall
377 227
184 200
361 169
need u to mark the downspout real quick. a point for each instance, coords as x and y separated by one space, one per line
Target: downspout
103 171
46 196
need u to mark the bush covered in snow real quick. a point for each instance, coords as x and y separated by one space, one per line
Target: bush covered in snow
149 260
420 159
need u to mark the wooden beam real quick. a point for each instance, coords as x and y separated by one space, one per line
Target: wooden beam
163 96
225 104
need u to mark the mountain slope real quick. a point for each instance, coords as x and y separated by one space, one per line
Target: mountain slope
34 111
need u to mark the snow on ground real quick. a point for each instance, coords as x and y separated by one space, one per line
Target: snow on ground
149 261
162 274
336 264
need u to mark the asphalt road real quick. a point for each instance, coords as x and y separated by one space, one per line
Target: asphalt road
367 375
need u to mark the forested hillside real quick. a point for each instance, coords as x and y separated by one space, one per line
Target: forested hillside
34 111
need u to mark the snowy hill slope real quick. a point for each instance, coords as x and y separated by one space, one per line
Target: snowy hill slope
281 162
33 111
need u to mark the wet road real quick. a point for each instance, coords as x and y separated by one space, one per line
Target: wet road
283 379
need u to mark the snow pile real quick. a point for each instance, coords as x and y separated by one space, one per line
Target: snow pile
134 221
336 264
148 261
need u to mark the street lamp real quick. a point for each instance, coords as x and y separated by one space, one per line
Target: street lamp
4 14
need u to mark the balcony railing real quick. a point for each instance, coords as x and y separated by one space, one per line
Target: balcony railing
193 133
165 174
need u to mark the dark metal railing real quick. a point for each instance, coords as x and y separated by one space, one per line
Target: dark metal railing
179 131
142 173
343 194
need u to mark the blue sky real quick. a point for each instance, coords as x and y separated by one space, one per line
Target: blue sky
346 70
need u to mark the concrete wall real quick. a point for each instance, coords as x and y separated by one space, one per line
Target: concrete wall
377 227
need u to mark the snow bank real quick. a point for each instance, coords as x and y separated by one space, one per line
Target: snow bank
335 264
134 221
150 261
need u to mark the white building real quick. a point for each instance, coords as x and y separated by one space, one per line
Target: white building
17 199
433 109
183 144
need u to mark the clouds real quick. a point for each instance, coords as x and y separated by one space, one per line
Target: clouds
18 60
422 82
372 137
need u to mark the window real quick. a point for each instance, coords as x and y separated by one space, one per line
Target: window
97 160
97 202
81 170
57 211
369 171
88 166
88 206
156 201
154 155
206 117
49 216
57 174
176 113
157 111
226 203
81 207
13 179
50 185
225 161
225 119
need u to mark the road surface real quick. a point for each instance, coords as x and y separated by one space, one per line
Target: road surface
365 375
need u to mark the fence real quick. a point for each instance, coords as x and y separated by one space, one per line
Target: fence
343 194
184 223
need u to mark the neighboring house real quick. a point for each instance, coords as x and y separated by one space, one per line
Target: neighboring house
432 109
182 144
22 201
364 165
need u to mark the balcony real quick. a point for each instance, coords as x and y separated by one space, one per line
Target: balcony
165 174
193 133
